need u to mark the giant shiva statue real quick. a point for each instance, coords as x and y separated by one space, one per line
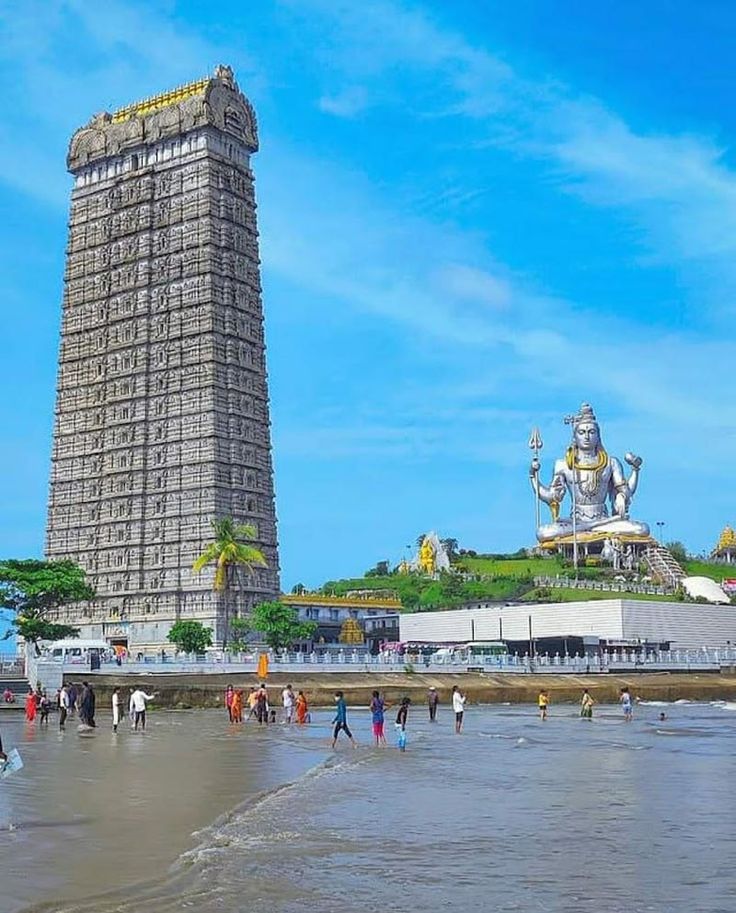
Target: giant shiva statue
600 492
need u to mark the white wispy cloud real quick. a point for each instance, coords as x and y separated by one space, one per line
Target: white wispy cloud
679 187
70 60
330 230
346 103
477 286
488 323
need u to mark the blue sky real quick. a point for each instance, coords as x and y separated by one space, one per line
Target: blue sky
473 217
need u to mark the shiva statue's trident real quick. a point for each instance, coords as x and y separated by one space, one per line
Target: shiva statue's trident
535 445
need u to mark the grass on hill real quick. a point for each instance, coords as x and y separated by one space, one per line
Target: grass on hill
512 567
696 567
418 593
502 580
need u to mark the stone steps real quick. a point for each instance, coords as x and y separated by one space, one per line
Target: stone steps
664 567
19 687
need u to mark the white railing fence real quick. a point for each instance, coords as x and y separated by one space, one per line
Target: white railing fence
602 586
356 661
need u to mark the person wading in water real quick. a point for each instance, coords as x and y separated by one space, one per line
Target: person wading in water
341 720
433 700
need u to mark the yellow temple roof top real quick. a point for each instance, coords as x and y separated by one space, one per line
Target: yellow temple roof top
163 100
727 539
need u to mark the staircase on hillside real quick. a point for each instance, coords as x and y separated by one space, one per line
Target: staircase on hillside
663 566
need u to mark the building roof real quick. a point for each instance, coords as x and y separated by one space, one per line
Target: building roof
215 101
347 602
727 540
162 100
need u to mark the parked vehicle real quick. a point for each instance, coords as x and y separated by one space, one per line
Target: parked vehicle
76 651
486 648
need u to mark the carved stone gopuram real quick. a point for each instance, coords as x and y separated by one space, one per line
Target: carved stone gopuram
162 416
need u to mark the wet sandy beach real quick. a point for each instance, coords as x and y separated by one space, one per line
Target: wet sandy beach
514 815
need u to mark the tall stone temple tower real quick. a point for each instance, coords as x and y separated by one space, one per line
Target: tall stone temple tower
162 417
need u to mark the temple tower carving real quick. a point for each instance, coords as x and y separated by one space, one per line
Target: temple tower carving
162 416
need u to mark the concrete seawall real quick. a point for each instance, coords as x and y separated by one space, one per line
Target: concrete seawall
185 691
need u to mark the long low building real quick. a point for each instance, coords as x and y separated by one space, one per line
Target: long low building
682 624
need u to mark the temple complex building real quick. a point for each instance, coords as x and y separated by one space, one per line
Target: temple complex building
725 549
162 415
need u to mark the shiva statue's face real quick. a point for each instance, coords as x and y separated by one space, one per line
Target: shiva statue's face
587 437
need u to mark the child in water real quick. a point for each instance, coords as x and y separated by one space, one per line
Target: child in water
543 702
377 708
626 705
401 722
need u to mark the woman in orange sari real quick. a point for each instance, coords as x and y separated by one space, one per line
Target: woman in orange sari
31 706
236 707
301 708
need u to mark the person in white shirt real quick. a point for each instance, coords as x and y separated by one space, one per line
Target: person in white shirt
458 705
289 700
64 705
115 709
138 707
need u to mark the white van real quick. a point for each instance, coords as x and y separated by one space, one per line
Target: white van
76 650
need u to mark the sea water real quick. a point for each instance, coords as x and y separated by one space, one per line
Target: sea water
515 814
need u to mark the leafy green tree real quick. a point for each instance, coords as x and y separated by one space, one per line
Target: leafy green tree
32 589
190 636
382 569
230 550
678 551
280 625
240 629
451 547
298 590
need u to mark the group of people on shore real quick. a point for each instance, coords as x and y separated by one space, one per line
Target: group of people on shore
81 701
70 699
378 707
37 705
296 709
587 703
295 706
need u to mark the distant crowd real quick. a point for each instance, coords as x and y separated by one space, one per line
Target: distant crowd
295 709
79 700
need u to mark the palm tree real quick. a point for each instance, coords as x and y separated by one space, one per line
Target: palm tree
230 550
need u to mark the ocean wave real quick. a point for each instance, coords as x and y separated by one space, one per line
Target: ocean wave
236 831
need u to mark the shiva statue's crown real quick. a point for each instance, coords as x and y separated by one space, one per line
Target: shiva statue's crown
586 414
